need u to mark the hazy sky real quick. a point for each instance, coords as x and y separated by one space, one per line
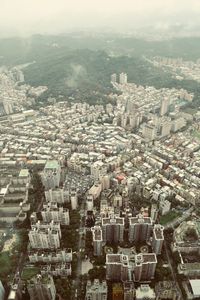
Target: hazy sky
54 16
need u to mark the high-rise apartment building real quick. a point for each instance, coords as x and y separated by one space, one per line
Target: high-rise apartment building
96 290
123 78
164 106
97 240
45 235
117 267
145 266
55 195
51 175
42 288
2 291
149 132
158 238
114 78
140 228
51 211
113 229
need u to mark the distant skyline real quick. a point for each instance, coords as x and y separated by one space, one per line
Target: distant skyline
26 17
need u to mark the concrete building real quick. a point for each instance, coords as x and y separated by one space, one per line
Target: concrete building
164 106
129 290
145 266
42 288
186 237
117 291
96 290
51 175
157 239
8 107
123 78
97 240
56 195
74 199
98 170
144 292
45 235
59 269
51 211
89 202
154 212
117 267
114 78
166 128
58 256
113 229
166 290
149 132
2 291
140 228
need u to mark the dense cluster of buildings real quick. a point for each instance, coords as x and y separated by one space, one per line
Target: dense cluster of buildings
180 68
124 165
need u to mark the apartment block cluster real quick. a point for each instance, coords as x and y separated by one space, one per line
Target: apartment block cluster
140 149
181 69
14 189
14 93
45 236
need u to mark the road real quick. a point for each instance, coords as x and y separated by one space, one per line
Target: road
81 245
173 272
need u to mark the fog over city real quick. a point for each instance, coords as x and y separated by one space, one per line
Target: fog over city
25 17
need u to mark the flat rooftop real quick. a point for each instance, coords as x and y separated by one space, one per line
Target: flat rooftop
158 231
140 220
52 164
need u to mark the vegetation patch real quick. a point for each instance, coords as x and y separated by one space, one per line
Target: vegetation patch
169 217
28 273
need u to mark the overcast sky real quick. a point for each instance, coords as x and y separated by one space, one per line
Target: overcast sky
22 17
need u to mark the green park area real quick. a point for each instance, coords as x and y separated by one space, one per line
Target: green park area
29 272
5 265
196 134
169 217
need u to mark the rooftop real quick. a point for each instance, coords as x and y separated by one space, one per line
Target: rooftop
195 285
52 164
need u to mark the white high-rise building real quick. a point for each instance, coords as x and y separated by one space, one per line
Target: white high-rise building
45 235
51 211
74 199
158 238
51 175
123 78
97 240
96 290
145 292
89 202
2 291
114 78
149 132
164 106
56 256
8 107
166 128
56 195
